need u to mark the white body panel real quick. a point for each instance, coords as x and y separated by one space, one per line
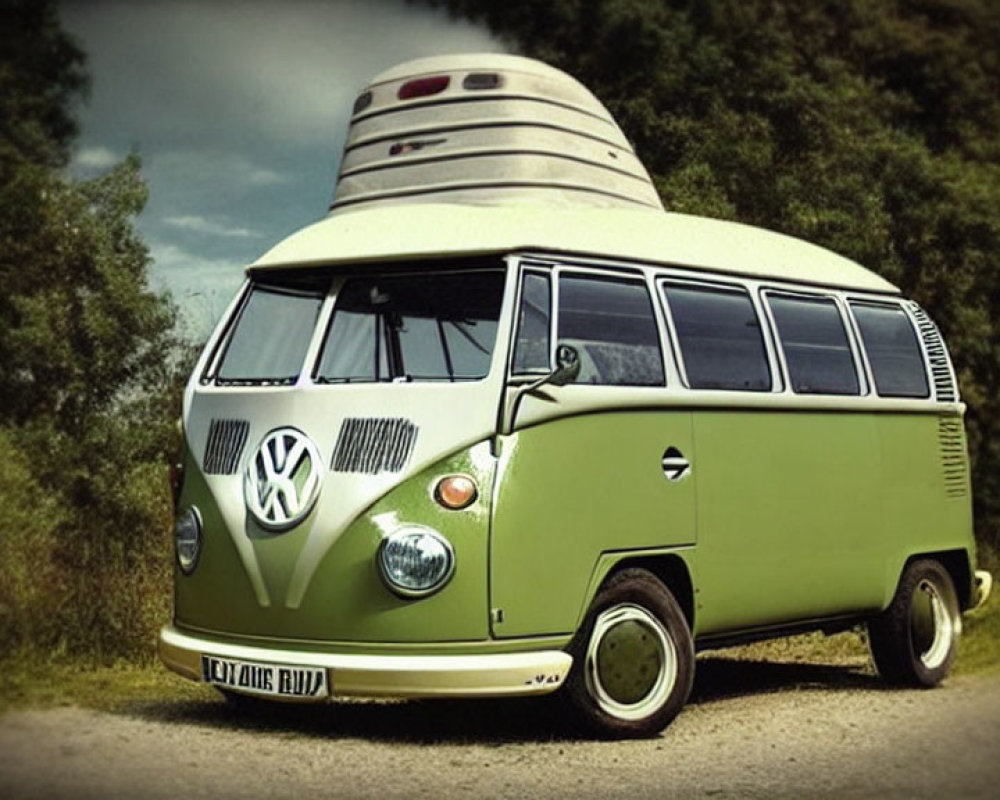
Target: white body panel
448 417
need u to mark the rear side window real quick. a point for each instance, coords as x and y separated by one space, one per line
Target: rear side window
269 341
815 344
719 336
610 322
893 350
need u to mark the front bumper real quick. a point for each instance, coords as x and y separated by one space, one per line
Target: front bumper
487 675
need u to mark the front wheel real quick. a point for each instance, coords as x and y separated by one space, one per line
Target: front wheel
633 659
913 641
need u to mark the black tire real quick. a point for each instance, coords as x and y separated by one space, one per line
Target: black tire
913 641
633 659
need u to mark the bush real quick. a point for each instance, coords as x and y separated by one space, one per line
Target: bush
31 584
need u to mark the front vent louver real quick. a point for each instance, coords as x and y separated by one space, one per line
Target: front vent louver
226 440
371 445
953 460
941 372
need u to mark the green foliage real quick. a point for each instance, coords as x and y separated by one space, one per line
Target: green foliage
41 76
89 373
29 581
867 127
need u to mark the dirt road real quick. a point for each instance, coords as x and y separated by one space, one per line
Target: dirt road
751 730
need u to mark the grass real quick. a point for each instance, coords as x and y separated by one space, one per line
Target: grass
979 649
31 681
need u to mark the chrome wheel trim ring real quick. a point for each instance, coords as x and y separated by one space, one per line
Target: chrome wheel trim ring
654 699
936 614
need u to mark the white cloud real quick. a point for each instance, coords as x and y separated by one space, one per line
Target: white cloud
199 224
96 158
189 273
201 287
211 71
213 166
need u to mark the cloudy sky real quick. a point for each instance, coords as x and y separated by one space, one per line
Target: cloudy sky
239 111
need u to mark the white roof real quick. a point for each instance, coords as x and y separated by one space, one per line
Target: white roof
380 233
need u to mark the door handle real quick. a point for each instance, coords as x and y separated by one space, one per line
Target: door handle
675 466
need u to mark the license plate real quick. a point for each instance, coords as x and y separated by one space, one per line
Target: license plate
271 680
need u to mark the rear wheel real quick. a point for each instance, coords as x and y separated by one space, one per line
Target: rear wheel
913 641
633 659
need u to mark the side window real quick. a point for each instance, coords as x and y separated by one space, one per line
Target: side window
893 350
531 349
815 345
719 336
610 322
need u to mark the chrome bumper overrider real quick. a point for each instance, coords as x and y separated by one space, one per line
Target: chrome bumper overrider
984 582
387 675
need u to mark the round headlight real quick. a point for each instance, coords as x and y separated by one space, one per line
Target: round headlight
415 561
187 539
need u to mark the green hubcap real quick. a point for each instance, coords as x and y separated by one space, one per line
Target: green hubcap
630 667
629 660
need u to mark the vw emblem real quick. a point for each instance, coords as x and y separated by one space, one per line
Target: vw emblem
282 479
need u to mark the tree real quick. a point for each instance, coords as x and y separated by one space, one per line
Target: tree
41 77
87 364
866 127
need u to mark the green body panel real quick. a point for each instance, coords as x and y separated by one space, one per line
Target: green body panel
926 493
785 516
218 594
570 489
790 516
346 599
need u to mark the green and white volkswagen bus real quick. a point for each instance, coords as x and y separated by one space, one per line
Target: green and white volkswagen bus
500 425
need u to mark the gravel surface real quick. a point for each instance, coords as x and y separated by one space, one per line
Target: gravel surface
751 730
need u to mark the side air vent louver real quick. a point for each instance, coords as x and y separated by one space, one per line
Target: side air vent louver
373 445
953 461
226 439
941 371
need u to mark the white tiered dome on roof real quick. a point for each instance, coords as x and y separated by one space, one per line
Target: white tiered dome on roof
486 129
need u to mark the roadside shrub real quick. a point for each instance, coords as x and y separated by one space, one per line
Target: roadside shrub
31 582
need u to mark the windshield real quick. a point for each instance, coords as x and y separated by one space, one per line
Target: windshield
271 335
432 326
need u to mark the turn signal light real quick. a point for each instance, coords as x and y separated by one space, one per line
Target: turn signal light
456 491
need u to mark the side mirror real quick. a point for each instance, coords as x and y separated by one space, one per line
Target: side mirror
567 366
566 371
